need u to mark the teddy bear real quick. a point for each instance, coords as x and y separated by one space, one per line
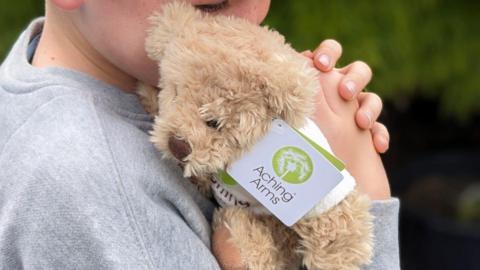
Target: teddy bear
222 81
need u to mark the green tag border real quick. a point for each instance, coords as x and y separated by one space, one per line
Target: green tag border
334 160
226 178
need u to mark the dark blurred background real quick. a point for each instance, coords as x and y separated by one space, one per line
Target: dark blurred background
425 55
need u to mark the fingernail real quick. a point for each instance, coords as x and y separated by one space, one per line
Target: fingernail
369 117
384 141
324 60
350 85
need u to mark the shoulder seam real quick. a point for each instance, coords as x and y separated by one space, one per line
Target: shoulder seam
28 118
127 206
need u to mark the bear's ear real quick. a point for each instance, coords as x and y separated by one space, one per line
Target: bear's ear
291 95
165 26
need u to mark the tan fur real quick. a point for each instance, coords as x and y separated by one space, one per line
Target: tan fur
340 238
242 75
148 97
265 243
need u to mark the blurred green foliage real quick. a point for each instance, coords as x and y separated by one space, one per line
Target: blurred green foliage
415 47
14 17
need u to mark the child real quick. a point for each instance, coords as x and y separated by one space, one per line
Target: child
80 184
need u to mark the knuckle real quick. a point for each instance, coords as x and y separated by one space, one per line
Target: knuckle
333 44
377 99
361 65
382 129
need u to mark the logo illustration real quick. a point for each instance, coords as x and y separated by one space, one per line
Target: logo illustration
292 164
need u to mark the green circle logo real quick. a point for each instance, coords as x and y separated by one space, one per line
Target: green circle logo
292 164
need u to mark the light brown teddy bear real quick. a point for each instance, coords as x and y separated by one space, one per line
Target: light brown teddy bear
222 81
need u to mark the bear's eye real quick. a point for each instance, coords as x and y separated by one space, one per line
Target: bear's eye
213 124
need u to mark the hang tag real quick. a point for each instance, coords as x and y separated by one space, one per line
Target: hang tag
286 172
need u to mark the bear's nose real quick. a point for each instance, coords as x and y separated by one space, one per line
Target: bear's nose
179 148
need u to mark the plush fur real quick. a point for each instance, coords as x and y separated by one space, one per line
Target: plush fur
222 80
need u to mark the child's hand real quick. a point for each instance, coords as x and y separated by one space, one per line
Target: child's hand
336 119
357 76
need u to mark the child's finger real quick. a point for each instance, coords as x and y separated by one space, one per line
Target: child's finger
307 53
227 254
381 137
357 76
369 110
327 54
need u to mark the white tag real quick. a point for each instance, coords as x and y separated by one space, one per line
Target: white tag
287 173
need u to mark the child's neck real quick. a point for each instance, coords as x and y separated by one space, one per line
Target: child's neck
62 45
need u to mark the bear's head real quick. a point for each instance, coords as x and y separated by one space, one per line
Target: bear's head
222 81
